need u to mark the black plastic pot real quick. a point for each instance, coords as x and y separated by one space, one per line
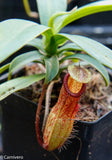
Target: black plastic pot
19 138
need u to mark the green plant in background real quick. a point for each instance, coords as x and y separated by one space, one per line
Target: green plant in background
53 48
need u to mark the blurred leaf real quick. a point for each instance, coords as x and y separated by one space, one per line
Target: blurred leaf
47 8
52 68
69 47
93 62
13 85
58 22
15 33
93 48
37 43
59 39
5 67
24 59
68 53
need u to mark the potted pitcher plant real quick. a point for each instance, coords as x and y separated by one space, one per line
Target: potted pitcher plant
22 119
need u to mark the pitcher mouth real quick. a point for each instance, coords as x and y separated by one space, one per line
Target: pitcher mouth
65 82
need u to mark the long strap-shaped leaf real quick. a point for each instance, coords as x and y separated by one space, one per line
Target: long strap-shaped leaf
15 33
37 43
93 62
93 48
69 47
48 7
24 59
13 85
60 21
52 68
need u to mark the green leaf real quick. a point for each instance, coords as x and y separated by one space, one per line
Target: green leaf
5 67
52 68
13 85
49 43
15 33
37 43
93 48
69 47
59 39
47 8
24 59
62 20
93 62
51 48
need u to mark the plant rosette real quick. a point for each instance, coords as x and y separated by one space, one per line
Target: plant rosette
51 52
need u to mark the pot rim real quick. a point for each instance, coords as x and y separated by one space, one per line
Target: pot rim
84 122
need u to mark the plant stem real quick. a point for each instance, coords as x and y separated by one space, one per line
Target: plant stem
48 98
39 138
